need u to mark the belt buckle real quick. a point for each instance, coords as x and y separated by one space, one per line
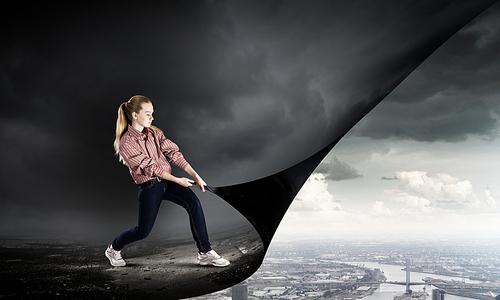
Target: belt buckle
157 179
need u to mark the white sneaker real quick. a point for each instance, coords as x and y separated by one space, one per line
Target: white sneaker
211 258
115 257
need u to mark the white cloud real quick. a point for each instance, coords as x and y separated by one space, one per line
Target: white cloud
380 209
314 196
439 205
489 193
419 193
314 210
412 203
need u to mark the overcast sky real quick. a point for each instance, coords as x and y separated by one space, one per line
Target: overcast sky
425 161
247 89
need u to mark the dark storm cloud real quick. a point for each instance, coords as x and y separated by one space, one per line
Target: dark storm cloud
440 101
245 88
327 46
337 170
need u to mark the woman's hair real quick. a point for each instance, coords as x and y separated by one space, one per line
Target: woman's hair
125 117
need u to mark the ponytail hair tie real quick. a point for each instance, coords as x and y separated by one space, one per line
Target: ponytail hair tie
126 104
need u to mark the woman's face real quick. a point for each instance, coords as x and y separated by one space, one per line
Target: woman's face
145 116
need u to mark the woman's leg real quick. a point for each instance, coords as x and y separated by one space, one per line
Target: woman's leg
149 198
186 198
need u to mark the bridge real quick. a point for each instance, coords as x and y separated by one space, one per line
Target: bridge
405 283
391 282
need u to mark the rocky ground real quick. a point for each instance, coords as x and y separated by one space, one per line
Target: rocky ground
155 269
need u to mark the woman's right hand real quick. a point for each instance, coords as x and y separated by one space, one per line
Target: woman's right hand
185 182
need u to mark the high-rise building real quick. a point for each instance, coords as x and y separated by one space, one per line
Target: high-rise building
437 295
240 291
408 276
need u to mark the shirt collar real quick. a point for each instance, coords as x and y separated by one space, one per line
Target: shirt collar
137 134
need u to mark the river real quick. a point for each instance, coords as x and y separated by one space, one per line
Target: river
388 291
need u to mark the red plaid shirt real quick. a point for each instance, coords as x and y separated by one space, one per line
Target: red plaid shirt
145 153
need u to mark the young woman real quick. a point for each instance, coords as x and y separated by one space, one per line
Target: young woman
146 151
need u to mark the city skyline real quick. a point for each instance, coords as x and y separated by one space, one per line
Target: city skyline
352 268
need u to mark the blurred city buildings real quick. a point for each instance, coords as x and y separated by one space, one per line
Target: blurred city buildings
328 269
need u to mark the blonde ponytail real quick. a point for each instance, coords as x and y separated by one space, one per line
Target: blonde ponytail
125 117
121 126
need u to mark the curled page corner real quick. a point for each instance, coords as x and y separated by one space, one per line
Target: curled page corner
264 202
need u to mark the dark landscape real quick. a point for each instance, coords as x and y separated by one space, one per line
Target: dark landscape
165 269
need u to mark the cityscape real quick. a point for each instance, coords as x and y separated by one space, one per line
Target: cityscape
304 269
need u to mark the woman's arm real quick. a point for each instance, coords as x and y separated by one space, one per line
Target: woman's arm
171 151
200 183
186 182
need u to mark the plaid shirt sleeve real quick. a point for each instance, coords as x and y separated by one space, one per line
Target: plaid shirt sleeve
171 151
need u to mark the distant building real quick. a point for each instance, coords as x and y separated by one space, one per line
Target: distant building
240 291
437 295
273 278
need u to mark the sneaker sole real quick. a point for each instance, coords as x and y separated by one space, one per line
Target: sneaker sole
211 264
111 261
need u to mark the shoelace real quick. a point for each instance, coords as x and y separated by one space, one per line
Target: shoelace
213 254
118 255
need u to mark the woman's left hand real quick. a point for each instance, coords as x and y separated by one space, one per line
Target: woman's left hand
200 184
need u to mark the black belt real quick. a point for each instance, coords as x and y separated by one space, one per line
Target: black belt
156 179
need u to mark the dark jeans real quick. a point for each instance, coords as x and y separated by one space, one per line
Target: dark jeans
151 194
